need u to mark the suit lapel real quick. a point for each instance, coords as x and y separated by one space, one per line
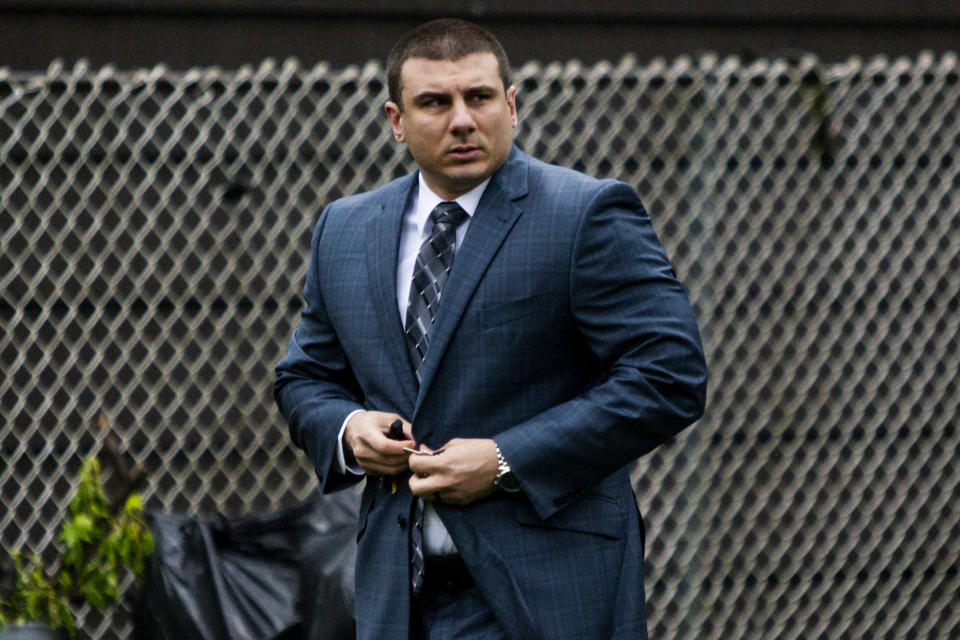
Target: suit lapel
383 242
489 226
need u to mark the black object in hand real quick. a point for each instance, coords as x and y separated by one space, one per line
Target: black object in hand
396 431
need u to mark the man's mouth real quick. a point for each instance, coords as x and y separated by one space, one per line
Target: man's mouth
464 152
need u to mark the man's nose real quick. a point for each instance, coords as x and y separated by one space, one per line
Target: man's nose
461 119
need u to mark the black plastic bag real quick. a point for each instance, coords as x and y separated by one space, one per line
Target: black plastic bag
285 575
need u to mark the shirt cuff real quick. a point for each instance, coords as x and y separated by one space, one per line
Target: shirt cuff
344 465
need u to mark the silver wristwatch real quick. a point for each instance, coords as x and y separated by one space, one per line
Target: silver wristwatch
505 479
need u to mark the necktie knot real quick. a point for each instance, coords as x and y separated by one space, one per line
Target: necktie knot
448 213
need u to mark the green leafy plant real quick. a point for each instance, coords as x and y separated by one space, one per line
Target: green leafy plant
98 541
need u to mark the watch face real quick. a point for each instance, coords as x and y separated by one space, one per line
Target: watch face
508 482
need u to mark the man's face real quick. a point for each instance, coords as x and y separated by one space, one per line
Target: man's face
457 120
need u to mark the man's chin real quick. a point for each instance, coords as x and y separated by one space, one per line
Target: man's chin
466 178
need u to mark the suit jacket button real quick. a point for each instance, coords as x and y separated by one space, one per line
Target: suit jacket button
402 522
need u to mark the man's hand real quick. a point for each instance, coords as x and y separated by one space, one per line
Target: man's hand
366 438
464 470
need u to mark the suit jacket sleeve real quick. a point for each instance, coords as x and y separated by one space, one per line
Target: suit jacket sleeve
315 388
635 317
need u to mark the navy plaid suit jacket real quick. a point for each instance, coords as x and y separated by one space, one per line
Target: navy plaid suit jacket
563 334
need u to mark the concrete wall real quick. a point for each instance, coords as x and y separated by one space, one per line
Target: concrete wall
228 33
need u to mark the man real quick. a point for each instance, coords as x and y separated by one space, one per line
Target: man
562 348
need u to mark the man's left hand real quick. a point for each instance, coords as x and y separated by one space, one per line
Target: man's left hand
462 471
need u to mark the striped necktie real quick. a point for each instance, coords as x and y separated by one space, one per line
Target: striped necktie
430 272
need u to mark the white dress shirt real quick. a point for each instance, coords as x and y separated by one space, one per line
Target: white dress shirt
415 229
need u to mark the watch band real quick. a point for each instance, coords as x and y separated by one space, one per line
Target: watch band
505 479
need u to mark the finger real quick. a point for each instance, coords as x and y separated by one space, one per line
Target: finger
425 465
368 458
393 449
384 457
424 486
384 447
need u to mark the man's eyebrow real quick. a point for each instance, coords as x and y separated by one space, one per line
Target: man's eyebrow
426 95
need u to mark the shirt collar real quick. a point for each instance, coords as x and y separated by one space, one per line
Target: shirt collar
427 200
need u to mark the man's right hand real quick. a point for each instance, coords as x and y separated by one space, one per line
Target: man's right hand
365 438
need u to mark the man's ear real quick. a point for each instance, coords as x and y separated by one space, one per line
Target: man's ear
396 119
512 103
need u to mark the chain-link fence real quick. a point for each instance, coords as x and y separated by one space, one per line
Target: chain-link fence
155 228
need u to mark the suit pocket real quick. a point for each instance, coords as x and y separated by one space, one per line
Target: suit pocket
591 513
506 311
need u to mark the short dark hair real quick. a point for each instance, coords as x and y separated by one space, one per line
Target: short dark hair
445 39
